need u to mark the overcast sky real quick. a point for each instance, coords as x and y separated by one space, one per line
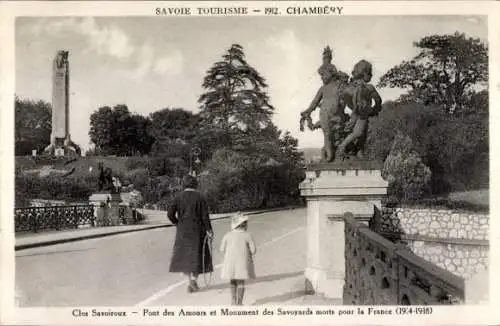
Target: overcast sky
155 62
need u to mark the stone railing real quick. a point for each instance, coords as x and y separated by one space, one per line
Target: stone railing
34 219
380 272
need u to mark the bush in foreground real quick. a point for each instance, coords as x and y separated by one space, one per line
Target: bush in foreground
408 177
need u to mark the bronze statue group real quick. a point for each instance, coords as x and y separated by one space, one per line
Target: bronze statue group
343 136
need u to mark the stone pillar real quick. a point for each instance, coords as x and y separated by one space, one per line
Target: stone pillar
60 139
60 99
106 208
331 190
114 209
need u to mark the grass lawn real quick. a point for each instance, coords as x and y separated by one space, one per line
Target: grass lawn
478 197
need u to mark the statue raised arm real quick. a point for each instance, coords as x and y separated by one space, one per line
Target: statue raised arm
328 98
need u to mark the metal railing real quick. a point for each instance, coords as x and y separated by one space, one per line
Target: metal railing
34 219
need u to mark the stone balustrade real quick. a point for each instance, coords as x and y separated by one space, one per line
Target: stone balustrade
381 272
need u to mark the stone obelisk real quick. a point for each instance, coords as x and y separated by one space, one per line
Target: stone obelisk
60 141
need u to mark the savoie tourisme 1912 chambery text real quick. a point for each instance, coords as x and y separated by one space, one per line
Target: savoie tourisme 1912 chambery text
243 11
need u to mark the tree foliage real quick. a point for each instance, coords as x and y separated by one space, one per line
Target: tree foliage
172 124
235 97
446 71
33 125
115 131
454 147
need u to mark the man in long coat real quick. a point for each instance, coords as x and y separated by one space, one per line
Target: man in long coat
189 213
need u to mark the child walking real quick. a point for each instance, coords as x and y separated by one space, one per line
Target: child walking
238 247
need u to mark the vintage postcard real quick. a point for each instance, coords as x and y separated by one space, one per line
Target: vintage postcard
249 163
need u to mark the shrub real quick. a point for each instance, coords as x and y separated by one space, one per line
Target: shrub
136 162
237 181
138 177
70 188
408 177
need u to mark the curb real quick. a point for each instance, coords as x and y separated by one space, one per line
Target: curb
157 226
85 237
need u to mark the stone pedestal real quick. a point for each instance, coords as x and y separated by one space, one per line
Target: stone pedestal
106 208
331 190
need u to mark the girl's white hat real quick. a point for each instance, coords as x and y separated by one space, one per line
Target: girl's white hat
237 220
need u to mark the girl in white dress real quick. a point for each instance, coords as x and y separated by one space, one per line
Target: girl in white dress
238 247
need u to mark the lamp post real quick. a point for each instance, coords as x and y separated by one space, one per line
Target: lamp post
194 158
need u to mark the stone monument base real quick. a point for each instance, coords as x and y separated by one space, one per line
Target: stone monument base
60 147
106 208
331 190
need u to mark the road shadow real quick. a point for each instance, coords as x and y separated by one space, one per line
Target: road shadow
279 298
261 279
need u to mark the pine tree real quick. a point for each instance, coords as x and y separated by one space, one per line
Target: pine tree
235 100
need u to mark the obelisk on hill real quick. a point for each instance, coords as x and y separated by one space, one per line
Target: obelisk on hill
60 141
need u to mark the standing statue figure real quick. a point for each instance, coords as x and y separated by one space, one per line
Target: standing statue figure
105 179
62 60
341 138
329 99
359 96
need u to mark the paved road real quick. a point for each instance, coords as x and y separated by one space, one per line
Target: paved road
132 269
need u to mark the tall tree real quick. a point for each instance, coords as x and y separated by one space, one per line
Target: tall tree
101 129
447 71
118 132
172 124
289 148
141 140
32 126
235 98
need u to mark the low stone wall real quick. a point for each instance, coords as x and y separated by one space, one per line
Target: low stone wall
464 260
436 223
457 242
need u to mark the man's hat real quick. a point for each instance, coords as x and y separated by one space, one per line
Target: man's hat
237 220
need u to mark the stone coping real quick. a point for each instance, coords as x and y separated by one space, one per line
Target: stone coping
345 165
424 238
440 275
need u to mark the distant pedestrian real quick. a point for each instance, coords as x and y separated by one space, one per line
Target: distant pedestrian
238 247
189 213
